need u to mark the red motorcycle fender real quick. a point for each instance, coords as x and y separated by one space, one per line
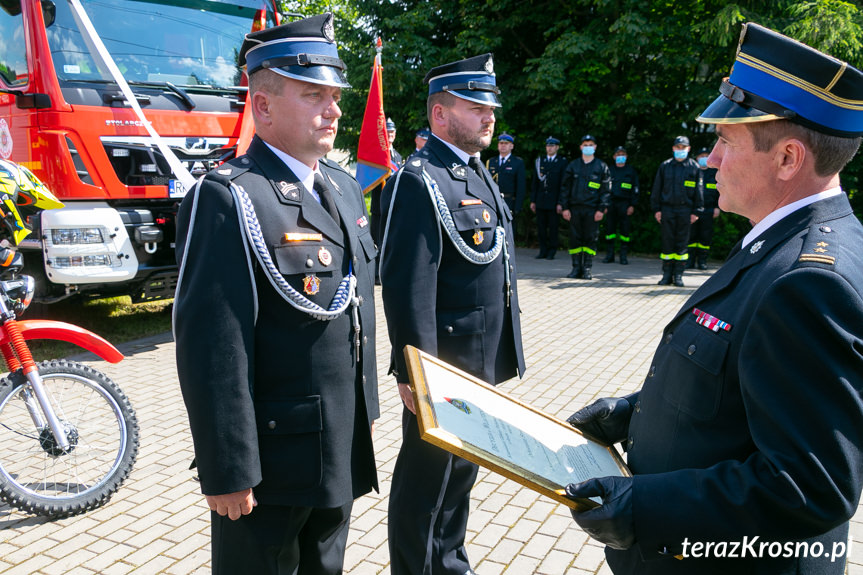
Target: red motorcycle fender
48 329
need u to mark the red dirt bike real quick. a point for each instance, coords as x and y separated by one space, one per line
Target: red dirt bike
68 434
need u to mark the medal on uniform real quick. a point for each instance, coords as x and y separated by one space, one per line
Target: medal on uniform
486 217
477 237
311 284
324 256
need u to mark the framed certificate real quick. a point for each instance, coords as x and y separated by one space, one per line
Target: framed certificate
465 416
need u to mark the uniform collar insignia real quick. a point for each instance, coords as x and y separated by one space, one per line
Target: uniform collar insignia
756 246
289 190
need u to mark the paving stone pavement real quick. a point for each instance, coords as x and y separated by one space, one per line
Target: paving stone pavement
583 340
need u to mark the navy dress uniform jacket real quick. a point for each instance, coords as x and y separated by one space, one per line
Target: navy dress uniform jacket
276 398
510 178
434 299
756 430
547 179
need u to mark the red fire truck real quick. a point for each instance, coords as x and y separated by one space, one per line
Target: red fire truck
65 115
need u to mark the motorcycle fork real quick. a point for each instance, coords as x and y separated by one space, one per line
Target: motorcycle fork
18 357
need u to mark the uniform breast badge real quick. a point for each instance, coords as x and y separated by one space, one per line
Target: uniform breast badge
477 237
324 256
486 217
311 284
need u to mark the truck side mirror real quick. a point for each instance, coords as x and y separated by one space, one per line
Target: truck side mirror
49 12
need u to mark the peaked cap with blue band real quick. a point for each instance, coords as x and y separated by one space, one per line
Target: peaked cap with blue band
775 77
304 50
470 79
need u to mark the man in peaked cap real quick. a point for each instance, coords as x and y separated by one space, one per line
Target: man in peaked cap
276 268
449 289
746 440
545 191
507 171
420 138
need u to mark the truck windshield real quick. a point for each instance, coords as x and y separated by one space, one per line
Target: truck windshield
189 43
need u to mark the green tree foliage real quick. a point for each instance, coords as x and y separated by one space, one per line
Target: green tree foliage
633 73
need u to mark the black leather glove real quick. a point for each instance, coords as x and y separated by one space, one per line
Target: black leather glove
610 523
606 419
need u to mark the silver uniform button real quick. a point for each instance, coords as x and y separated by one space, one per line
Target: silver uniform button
691 349
271 425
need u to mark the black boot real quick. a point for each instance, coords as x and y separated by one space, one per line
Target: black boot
551 253
666 274
690 262
623 249
541 254
609 256
702 260
575 272
588 265
678 273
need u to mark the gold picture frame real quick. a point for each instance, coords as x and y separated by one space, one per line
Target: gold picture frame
469 418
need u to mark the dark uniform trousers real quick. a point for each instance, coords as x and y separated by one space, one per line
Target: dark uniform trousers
547 179
583 230
618 225
277 400
429 305
676 222
754 429
282 540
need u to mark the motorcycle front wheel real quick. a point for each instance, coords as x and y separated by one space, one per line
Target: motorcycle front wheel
36 474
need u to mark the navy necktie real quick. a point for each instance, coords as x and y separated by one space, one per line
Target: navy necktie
326 196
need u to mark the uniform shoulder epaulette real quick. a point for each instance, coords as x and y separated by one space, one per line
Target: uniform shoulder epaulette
817 249
333 164
233 167
416 163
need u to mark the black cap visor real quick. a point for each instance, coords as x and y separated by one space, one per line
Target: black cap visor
724 111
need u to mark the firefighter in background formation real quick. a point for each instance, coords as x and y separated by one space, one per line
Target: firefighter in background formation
508 171
624 196
677 201
545 191
584 198
701 233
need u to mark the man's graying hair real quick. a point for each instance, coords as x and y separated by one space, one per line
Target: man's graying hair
831 153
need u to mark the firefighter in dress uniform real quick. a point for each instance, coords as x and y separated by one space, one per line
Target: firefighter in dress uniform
701 232
746 439
624 197
545 189
584 197
420 138
507 171
449 289
677 200
274 320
